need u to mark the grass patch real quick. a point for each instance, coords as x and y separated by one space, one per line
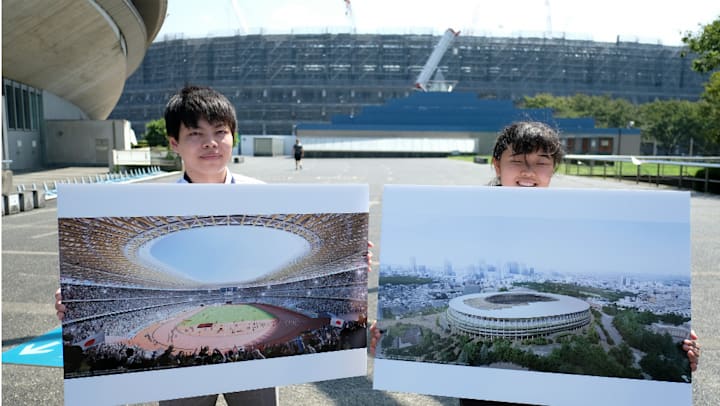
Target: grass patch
227 314
625 169
469 158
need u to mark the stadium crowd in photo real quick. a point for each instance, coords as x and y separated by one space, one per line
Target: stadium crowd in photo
124 314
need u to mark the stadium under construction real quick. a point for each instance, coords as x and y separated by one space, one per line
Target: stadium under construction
280 82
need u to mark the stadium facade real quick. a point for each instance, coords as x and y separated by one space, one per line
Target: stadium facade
279 81
64 66
516 315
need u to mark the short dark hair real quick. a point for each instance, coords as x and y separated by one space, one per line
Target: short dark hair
193 103
529 136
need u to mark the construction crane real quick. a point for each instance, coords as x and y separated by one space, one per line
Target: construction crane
548 20
239 16
350 16
421 83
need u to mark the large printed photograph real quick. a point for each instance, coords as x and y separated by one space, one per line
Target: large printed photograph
166 292
535 285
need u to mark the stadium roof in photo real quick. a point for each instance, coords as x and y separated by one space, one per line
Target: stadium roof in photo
514 305
106 250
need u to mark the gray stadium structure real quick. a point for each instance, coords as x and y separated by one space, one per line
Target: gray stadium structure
516 315
64 66
278 81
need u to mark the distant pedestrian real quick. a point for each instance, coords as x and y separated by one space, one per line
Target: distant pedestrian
299 152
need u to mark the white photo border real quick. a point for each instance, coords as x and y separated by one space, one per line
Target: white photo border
139 200
415 202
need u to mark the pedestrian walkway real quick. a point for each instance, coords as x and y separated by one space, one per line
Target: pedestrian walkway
30 273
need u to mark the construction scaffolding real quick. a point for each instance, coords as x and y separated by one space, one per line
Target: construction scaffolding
277 81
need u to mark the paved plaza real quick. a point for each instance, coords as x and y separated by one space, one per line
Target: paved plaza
30 271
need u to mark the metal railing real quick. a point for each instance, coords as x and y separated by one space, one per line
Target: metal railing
50 188
598 165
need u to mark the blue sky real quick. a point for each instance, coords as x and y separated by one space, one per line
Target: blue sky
571 231
647 21
545 244
224 253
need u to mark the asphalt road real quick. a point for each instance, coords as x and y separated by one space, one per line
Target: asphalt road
30 273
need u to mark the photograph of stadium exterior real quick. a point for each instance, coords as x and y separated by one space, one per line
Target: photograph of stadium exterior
278 81
474 277
129 312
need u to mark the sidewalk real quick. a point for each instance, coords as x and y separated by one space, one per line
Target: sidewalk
30 273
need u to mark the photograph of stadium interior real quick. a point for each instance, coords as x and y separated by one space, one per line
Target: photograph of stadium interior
286 285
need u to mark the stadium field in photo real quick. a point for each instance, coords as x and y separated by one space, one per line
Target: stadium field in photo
228 313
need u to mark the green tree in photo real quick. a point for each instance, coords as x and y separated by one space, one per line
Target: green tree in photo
623 355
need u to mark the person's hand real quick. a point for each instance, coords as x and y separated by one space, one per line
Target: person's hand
369 255
375 336
692 347
59 306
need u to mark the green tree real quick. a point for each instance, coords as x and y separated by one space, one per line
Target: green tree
560 105
672 123
606 111
155 133
706 45
710 110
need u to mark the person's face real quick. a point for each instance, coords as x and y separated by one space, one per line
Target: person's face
524 170
205 150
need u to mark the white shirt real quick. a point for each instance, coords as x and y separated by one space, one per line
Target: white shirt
233 178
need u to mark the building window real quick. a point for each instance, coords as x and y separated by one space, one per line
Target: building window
19 109
35 111
23 106
26 110
10 103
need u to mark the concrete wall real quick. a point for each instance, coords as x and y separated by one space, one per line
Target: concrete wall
629 144
24 149
56 108
282 144
80 50
85 142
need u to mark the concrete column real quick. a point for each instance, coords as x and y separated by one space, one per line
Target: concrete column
26 200
11 203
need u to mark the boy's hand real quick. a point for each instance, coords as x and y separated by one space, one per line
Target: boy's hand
692 348
59 306
369 255
375 336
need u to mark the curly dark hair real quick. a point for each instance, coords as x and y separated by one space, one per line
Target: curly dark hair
526 137
529 136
